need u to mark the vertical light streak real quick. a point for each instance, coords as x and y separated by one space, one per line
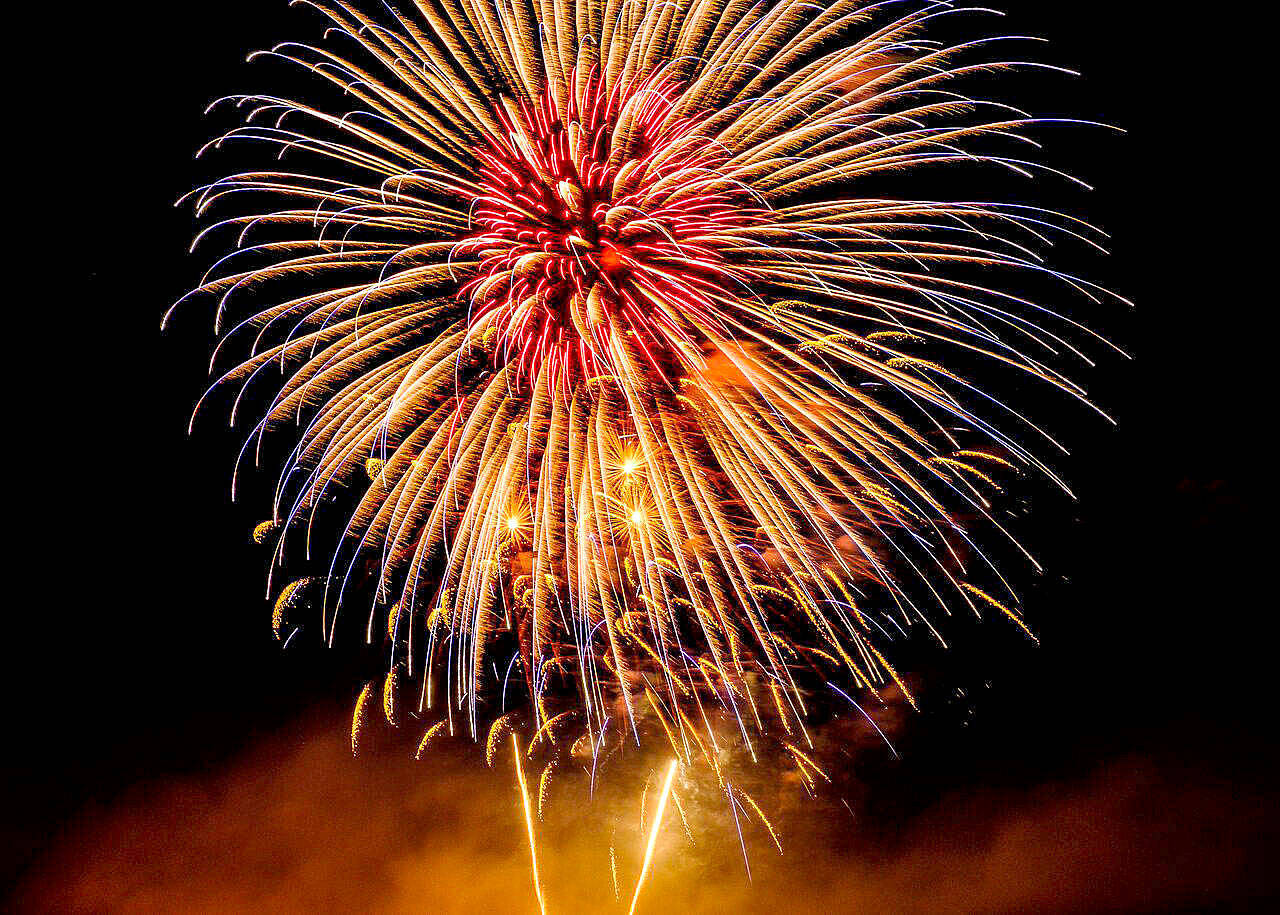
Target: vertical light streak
528 822
653 833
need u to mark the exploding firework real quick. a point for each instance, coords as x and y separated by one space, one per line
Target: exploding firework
655 411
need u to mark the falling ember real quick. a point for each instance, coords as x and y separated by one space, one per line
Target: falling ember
653 833
613 872
528 822
359 715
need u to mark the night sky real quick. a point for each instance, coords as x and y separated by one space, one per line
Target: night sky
165 755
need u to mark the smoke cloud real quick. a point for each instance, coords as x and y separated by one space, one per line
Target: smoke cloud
297 825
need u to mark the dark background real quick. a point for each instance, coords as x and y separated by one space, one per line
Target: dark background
142 650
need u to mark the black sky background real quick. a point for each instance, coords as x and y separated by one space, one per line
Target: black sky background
142 648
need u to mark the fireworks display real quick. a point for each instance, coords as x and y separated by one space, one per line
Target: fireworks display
656 413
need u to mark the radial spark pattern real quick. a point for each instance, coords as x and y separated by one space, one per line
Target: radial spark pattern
640 385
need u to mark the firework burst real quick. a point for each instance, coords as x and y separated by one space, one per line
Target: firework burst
645 395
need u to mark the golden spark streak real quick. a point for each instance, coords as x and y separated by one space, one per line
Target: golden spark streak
653 833
528 821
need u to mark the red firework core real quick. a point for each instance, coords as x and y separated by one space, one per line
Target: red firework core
600 225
